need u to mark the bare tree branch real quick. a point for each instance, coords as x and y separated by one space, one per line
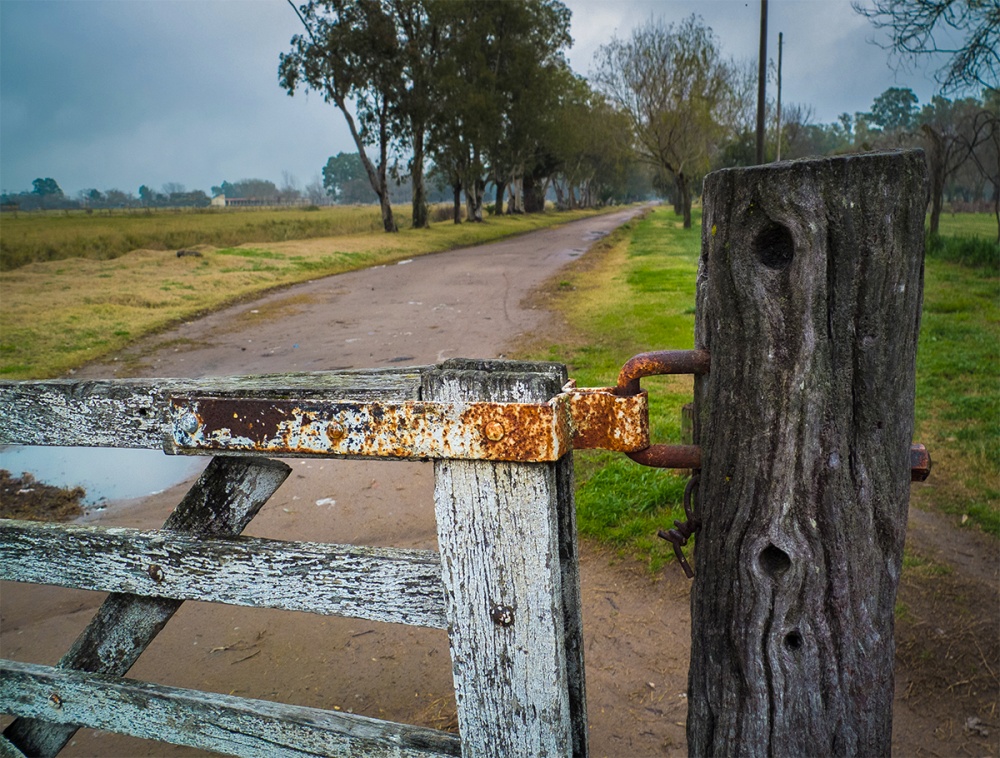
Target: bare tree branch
968 31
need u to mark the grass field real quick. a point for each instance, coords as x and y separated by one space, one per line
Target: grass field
638 294
969 225
103 235
57 315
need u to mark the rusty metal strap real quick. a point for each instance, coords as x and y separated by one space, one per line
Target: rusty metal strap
591 418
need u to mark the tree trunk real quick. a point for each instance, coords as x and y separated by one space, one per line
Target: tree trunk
420 217
501 187
456 189
376 178
996 208
534 194
561 202
809 294
388 222
684 193
936 157
474 200
514 204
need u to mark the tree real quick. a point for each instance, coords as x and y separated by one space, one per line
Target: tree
46 188
968 31
258 189
894 110
314 191
420 40
496 90
339 170
349 52
344 178
982 141
950 135
677 92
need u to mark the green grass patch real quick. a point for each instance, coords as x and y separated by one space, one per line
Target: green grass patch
958 389
967 249
635 292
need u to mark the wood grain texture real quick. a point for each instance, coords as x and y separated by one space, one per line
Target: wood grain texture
224 499
809 293
134 412
509 614
221 723
379 584
7 749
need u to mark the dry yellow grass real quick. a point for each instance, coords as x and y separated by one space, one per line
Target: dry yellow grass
58 315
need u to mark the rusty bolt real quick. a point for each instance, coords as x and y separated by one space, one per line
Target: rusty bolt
502 615
494 431
55 700
920 463
188 423
335 432
155 573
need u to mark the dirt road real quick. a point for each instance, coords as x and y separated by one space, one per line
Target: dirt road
466 303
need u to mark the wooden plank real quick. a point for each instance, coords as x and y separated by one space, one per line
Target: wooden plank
7 749
569 566
221 723
134 412
499 534
227 495
379 584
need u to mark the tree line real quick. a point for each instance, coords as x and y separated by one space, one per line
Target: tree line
453 99
481 91
481 96
46 194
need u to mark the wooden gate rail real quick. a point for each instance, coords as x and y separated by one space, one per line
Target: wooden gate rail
505 582
223 723
398 586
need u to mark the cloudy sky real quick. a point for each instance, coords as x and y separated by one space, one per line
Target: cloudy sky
119 93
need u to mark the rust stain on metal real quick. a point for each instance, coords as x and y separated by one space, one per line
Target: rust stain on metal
658 363
920 463
495 431
669 456
606 421
410 429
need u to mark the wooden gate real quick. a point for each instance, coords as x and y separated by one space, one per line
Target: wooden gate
505 583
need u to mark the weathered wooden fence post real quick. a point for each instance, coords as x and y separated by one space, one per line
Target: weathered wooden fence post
809 294
507 536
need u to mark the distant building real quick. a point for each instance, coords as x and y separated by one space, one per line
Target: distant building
221 201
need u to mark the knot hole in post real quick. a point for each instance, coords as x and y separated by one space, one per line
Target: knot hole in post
774 561
793 640
774 246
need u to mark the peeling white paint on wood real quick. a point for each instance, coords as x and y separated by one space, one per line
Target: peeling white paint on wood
135 412
222 723
510 595
227 495
380 584
498 532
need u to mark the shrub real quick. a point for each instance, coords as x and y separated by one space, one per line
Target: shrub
976 252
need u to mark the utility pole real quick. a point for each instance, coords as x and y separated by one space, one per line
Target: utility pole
761 81
779 96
